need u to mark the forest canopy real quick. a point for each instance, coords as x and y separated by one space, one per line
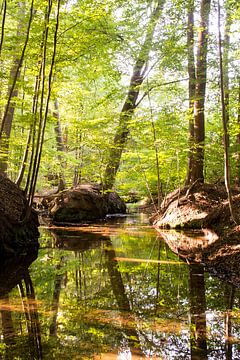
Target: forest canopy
127 94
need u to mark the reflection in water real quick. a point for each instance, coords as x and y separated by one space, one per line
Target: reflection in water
229 292
116 292
56 296
13 330
7 323
198 312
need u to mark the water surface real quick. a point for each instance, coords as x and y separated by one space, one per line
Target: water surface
116 291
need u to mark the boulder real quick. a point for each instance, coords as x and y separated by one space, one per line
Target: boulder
18 234
82 203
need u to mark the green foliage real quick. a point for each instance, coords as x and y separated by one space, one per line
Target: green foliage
97 45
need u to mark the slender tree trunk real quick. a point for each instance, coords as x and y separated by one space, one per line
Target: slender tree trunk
227 175
44 111
225 57
6 125
159 184
191 88
60 146
24 160
123 129
35 101
237 178
200 90
77 178
4 11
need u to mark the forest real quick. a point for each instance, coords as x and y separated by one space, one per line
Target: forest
119 179
142 96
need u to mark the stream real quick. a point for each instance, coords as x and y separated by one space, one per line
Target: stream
115 290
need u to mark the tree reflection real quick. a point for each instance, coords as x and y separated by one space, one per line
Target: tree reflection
229 292
7 322
56 296
119 292
10 324
198 312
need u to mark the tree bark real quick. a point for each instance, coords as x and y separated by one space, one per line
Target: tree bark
200 91
191 88
123 129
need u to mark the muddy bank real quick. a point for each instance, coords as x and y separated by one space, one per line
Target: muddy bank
18 234
199 206
82 203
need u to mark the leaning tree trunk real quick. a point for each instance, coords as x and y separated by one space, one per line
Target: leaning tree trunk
130 103
7 120
200 90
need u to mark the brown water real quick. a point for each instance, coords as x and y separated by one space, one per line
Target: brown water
116 291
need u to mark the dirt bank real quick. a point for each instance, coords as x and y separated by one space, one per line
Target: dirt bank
18 234
199 206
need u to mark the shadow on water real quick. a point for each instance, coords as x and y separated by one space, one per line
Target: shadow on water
115 290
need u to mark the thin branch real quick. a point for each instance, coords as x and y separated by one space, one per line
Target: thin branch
4 5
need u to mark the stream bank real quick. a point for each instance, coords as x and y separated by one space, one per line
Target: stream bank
18 234
203 208
198 206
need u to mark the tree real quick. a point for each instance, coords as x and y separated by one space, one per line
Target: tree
6 124
130 103
199 78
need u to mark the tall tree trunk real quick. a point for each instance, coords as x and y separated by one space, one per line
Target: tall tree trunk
227 175
200 90
130 103
3 14
237 178
44 110
6 125
191 88
225 56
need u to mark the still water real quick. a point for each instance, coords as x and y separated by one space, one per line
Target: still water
116 291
